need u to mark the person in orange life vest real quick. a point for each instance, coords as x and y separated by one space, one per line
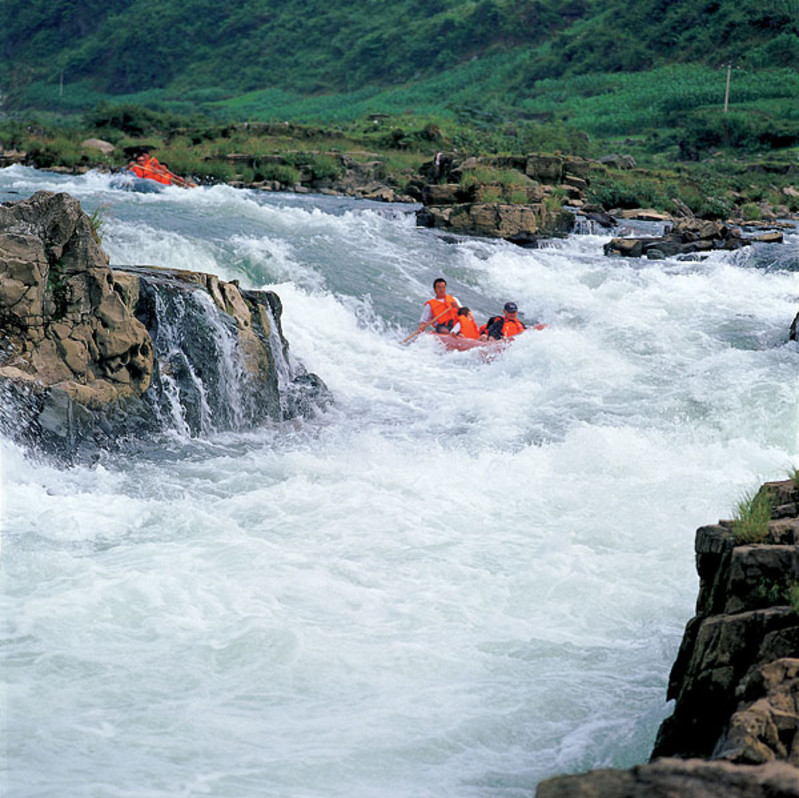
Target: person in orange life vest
441 309
504 326
149 166
466 326
139 166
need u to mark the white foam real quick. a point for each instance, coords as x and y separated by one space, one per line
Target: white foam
460 578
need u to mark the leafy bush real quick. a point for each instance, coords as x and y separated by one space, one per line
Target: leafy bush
628 191
287 175
217 171
750 212
59 151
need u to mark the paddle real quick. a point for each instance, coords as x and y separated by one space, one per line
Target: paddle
432 321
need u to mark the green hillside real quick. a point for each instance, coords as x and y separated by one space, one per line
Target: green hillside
610 68
312 46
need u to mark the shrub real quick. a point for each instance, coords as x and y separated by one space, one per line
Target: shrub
625 191
752 515
56 151
750 212
793 597
715 208
287 175
218 171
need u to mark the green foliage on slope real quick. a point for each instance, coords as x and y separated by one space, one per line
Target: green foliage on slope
314 46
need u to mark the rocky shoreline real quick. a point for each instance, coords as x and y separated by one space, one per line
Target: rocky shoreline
543 196
734 731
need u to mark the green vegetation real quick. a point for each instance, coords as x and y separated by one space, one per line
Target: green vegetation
770 592
532 75
97 221
401 81
752 515
793 597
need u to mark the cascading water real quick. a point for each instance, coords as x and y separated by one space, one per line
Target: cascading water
459 578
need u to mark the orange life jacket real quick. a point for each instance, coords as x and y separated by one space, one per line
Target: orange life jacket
469 327
512 327
508 327
151 168
448 307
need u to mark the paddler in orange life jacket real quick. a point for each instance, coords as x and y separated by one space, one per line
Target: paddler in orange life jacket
442 309
505 326
466 326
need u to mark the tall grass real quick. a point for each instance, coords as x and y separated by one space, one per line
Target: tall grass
751 519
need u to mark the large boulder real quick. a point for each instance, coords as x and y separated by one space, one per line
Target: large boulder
90 356
678 778
65 325
521 224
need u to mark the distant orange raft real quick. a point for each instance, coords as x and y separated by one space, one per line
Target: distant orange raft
149 167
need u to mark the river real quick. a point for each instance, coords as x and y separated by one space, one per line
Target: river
460 578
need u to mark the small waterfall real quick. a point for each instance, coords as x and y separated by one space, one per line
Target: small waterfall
201 382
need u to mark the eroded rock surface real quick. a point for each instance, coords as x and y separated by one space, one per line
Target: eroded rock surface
735 682
92 355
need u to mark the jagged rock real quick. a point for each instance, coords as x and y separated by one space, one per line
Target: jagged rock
596 213
90 354
12 156
545 168
688 235
735 680
444 194
678 778
774 237
521 223
577 167
617 161
765 729
65 325
643 215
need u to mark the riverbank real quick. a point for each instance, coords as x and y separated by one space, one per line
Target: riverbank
516 194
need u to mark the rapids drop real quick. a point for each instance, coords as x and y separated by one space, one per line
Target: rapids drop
459 579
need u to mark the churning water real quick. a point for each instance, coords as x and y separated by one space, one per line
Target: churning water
459 579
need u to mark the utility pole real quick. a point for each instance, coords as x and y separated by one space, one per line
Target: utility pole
727 92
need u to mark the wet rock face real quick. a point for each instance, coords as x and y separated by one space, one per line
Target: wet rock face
735 681
680 778
728 704
473 208
91 356
688 235
64 325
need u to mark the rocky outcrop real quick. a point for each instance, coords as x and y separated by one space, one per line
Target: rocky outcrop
678 778
518 198
520 224
688 235
324 173
735 682
91 355
64 324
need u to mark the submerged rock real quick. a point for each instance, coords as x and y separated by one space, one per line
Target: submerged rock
688 235
91 355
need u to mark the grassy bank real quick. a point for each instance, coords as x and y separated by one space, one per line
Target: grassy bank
712 183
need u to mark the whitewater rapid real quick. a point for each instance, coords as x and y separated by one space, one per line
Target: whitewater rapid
460 578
